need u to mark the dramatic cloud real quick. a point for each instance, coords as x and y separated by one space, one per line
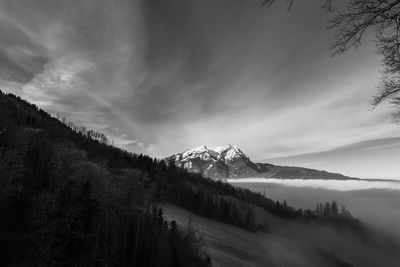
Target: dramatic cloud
160 76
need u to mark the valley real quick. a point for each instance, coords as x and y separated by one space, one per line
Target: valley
375 205
287 243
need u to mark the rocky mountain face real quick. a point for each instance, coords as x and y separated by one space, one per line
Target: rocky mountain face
229 162
216 162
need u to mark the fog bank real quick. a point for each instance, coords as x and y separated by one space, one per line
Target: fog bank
378 207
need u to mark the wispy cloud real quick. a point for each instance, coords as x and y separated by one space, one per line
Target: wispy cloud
160 76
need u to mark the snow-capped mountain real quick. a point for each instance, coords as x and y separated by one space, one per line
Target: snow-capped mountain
228 162
216 162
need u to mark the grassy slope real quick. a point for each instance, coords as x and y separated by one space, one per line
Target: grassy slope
288 243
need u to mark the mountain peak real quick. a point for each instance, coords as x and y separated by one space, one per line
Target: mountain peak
228 161
219 149
219 162
229 152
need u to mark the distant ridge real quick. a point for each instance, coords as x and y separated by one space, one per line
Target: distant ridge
374 158
229 162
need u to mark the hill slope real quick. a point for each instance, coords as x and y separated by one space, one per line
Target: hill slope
68 198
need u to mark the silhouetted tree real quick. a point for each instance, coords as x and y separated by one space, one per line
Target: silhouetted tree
351 23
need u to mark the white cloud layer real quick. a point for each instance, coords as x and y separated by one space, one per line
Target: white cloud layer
340 185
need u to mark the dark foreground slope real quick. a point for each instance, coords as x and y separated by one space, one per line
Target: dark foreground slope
69 198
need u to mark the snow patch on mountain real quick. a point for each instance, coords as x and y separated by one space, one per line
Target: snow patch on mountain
219 162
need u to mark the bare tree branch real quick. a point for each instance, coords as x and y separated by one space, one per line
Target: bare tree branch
383 17
327 4
350 24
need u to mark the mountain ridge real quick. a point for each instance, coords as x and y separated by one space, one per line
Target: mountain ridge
230 162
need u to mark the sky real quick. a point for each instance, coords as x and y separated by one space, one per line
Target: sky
378 158
162 76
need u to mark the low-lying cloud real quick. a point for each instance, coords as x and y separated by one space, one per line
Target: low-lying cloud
340 185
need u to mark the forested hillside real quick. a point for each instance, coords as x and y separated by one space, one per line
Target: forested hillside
69 198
